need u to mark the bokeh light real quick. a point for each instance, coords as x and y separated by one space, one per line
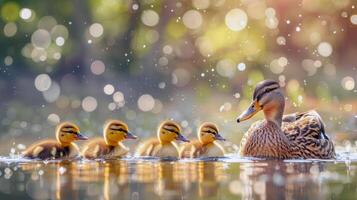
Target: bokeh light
25 13
10 29
236 19
96 30
324 49
146 102
348 83
192 19
97 67
43 82
89 104
150 18
108 89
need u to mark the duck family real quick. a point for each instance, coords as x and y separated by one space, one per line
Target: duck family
278 136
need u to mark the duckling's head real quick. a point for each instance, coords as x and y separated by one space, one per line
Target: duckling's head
169 131
208 133
116 131
68 132
268 97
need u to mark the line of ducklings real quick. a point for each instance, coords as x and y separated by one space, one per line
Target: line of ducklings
110 146
278 136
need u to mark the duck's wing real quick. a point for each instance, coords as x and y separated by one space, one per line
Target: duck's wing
306 124
307 132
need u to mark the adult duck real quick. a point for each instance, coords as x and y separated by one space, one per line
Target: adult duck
299 135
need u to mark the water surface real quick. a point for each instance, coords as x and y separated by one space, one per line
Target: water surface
222 178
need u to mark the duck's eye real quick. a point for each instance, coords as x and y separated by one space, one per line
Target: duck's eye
62 135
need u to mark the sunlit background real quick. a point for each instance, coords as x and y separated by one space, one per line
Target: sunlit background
191 61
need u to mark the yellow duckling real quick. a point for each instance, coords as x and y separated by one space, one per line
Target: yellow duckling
300 135
63 147
164 145
206 145
110 146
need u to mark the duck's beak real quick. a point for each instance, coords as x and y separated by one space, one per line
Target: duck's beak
182 138
250 112
130 136
219 137
81 137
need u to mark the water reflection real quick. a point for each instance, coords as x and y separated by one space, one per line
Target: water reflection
142 179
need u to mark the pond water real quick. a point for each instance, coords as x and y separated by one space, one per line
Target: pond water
222 178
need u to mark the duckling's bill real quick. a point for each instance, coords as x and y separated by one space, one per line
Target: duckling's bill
182 138
81 137
219 137
130 136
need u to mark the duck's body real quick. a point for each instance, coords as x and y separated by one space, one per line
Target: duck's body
164 145
62 148
206 145
110 146
299 135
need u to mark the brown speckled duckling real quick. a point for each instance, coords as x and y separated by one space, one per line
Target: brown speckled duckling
299 135
205 146
62 148
110 145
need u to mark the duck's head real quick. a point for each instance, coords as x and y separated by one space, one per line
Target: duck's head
169 131
208 133
68 132
116 131
268 97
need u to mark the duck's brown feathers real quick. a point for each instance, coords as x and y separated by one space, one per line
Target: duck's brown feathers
50 149
302 135
98 148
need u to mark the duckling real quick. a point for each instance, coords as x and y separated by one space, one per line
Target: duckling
164 145
300 135
206 145
110 146
62 148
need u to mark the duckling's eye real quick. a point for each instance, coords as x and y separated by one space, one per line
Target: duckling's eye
62 135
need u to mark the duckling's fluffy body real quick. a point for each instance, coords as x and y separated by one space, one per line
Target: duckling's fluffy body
153 147
196 149
51 149
98 148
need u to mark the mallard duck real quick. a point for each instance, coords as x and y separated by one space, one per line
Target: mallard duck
110 145
299 135
164 145
63 147
205 146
